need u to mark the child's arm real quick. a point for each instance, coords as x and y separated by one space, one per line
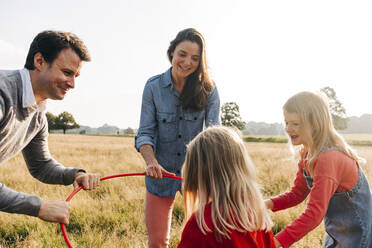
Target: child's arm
324 186
295 196
277 244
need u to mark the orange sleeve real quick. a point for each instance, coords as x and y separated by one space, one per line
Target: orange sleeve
325 184
296 195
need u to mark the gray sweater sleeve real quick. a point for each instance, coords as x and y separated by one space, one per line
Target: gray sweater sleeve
41 164
1 109
17 202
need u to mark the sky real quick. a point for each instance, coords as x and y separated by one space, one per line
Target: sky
259 53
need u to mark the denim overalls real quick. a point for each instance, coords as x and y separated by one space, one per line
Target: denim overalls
348 221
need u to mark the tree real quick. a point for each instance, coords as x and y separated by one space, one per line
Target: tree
65 121
230 115
51 121
337 110
129 130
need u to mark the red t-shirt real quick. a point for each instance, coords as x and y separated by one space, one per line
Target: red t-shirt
333 172
193 237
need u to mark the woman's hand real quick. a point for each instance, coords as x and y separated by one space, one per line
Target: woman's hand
155 170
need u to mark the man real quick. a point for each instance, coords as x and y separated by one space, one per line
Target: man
53 62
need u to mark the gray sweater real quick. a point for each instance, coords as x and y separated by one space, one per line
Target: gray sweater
26 130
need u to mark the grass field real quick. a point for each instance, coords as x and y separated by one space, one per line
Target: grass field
112 215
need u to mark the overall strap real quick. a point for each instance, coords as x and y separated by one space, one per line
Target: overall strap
325 148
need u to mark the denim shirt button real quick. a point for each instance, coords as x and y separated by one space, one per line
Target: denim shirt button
164 120
178 154
181 118
180 136
195 118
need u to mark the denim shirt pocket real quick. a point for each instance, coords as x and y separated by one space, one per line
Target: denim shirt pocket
194 122
194 116
167 126
191 116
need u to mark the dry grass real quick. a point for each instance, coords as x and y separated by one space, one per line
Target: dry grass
112 215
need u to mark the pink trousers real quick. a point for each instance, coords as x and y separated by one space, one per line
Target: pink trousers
158 217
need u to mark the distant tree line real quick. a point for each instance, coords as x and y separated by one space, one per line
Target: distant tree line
65 121
230 114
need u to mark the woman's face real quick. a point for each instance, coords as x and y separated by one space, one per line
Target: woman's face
186 59
294 128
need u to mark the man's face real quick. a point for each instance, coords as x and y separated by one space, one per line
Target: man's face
58 77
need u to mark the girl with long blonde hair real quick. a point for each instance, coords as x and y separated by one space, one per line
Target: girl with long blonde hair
221 194
329 172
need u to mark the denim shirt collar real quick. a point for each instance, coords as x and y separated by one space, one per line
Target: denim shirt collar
167 78
166 81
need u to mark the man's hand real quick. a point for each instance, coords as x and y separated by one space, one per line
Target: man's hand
155 170
88 181
55 211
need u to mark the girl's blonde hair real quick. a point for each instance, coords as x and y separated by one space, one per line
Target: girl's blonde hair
218 169
316 121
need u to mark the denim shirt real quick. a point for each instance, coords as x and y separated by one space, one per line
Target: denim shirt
168 128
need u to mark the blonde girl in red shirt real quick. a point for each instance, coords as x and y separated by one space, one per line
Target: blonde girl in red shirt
221 194
329 172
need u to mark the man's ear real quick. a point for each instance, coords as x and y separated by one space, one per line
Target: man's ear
39 62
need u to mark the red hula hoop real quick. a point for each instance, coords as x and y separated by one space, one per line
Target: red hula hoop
102 179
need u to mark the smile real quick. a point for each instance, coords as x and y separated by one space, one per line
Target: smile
64 90
184 69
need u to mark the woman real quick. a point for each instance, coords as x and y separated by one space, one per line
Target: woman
175 106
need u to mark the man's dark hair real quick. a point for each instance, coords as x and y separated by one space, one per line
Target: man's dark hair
50 43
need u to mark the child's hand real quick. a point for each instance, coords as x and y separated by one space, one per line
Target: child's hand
277 243
155 170
269 204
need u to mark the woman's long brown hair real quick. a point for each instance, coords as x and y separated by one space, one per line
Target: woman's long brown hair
198 84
